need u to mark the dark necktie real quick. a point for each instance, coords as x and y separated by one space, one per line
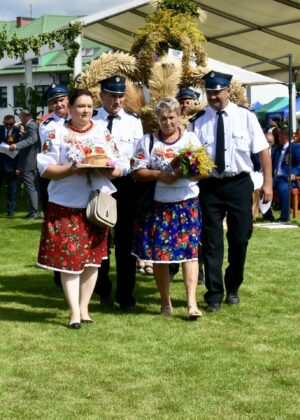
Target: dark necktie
110 119
220 146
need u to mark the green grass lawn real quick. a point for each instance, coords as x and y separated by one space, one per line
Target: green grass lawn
241 363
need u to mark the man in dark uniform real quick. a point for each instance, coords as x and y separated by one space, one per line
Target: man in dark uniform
8 161
230 133
187 97
126 129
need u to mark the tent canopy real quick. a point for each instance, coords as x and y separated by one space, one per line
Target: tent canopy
272 106
241 36
283 112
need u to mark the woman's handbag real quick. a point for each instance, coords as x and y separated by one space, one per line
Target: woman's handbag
101 209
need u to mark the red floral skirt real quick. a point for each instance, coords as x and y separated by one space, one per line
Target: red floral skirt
69 242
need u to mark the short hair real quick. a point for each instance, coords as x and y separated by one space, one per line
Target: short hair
76 92
26 112
8 117
167 104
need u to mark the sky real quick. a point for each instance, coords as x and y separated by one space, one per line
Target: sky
9 10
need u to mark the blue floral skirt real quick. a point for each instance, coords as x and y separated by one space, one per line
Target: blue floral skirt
170 232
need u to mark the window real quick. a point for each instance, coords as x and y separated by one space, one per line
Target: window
3 97
19 96
64 79
40 91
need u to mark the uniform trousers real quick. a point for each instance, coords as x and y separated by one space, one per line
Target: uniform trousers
11 180
31 182
229 197
123 238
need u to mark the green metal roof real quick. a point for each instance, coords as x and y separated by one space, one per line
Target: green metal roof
46 23
55 60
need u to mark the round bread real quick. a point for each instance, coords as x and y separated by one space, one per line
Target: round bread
99 160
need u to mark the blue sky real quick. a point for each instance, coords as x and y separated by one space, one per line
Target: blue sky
11 9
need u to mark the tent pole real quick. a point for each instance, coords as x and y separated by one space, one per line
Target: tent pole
290 86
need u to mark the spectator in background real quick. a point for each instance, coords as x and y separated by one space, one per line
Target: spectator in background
187 98
28 149
9 134
280 160
57 99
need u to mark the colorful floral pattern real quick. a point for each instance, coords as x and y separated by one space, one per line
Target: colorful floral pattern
169 233
78 147
69 242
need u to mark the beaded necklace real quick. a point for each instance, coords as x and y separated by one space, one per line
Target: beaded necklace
160 136
77 130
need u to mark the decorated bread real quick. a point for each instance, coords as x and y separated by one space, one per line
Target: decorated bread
98 160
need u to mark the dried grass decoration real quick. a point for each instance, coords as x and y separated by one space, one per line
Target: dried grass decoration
173 25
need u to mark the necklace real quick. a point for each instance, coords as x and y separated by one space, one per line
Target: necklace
161 138
77 130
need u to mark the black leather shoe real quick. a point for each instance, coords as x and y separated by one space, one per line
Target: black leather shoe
128 309
232 299
86 321
74 326
213 307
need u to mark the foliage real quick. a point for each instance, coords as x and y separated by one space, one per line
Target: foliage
179 6
27 98
18 47
166 30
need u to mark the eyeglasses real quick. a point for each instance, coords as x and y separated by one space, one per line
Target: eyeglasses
9 124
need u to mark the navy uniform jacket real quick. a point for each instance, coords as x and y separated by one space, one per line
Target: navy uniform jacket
7 163
295 160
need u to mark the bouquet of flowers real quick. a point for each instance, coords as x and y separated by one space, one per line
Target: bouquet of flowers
193 161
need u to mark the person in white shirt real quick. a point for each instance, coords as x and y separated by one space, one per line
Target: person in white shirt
69 242
170 231
126 129
230 133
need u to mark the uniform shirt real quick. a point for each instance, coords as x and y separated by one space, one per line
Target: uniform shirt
63 146
160 158
243 135
49 124
127 130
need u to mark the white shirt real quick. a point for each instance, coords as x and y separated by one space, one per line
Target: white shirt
62 146
278 170
50 124
161 156
243 135
127 130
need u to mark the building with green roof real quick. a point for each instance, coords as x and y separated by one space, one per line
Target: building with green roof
49 67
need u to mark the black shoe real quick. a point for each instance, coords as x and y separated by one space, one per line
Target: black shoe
106 303
232 299
280 220
86 321
32 217
128 309
213 307
74 326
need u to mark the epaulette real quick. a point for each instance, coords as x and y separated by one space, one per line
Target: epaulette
134 114
95 112
245 107
48 120
198 115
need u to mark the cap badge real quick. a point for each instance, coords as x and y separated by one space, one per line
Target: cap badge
118 79
212 74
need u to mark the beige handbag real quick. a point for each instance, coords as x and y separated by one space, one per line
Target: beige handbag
101 209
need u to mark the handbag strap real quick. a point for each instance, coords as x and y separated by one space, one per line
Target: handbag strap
151 143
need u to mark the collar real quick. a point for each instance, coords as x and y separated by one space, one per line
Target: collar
105 114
